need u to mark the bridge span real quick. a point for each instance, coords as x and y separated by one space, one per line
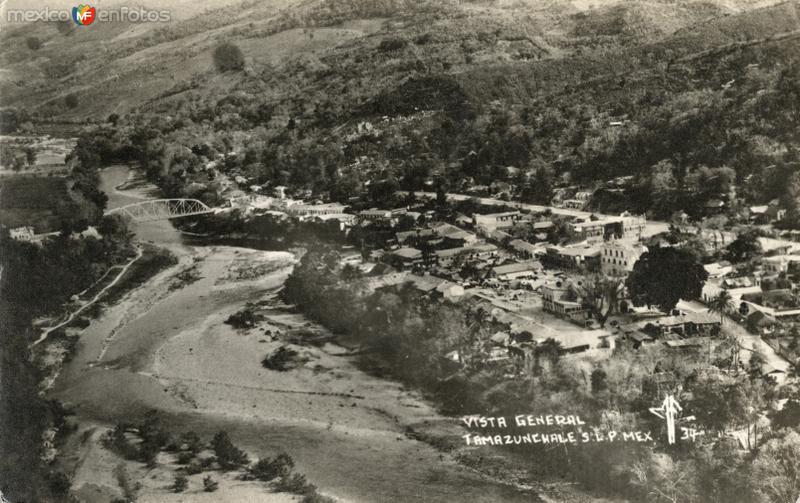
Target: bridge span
161 209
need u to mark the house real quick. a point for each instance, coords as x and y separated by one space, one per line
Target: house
450 291
684 344
714 206
445 258
526 250
618 257
690 324
494 221
625 225
386 217
405 258
770 372
633 332
25 233
767 213
718 269
780 264
450 231
772 246
555 300
414 236
573 258
518 270
300 210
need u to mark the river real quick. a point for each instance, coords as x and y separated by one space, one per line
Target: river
165 346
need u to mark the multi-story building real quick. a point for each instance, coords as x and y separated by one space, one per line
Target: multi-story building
555 299
302 210
494 221
617 257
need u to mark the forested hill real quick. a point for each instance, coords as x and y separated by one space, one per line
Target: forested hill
672 92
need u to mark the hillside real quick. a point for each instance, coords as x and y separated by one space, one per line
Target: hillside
120 67
454 92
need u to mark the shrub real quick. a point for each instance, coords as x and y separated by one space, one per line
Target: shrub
228 455
315 497
243 319
295 484
268 469
185 458
180 484
210 485
33 43
227 57
392 44
193 468
71 100
282 359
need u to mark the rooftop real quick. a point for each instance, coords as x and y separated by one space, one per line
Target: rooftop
517 267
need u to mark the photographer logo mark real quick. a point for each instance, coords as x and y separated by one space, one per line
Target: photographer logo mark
84 15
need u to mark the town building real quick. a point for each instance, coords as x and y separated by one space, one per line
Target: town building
525 250
623 226
25 233
494 221
517 270
405 258
587 258
555 299
301 210
618 257
386 217
478 251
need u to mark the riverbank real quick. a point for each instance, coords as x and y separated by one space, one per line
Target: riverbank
165 346
169 349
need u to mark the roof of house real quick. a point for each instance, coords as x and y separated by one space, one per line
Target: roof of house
406 252
640 336
402 236
497 215
516 267
683 343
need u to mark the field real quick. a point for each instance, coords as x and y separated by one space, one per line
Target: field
31 200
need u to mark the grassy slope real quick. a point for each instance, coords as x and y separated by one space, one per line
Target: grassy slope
532 46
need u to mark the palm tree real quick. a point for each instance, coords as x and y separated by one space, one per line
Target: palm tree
721 304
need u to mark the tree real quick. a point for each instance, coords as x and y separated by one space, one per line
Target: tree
775 468
721 304
33 43
228 455
744 248
664 275
788 416
599 381
268 469
180 484
71 100
601 295
30 156
228 57
210 485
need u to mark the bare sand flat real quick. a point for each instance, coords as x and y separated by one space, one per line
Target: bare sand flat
168 348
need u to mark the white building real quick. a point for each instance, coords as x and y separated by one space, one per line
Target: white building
617 257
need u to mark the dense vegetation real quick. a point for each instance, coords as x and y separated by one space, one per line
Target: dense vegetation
452 96
402 331
36 280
